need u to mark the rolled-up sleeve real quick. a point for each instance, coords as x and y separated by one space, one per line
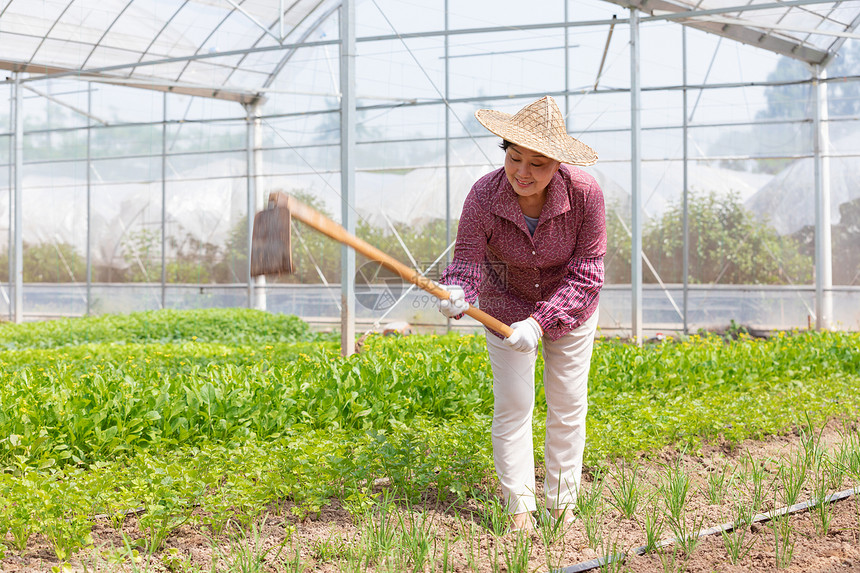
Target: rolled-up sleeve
464 274
567 307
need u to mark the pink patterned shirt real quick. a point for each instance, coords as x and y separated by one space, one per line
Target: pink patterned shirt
555 275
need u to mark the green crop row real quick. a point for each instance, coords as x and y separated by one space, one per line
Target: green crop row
81 404
225 326
245 410
703 388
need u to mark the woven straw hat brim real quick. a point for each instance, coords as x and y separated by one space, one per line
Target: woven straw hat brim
558 146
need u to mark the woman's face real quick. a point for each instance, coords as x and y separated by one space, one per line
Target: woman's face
528 172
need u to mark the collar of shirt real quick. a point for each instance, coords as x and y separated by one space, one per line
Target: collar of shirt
508 206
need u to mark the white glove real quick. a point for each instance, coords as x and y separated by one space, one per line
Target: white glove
525 336
456 303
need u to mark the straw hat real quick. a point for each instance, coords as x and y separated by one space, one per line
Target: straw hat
540 127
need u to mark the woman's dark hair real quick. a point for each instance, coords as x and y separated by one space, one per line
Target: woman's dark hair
505 144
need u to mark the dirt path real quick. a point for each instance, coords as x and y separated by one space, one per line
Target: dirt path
457 538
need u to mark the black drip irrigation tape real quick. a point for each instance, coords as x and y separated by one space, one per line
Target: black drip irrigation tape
761 517
121 512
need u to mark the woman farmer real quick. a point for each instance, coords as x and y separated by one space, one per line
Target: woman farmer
530 248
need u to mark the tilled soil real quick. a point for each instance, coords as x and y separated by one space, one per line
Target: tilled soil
461 541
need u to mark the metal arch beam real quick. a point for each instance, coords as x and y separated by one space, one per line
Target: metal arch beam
836 47
242 97
58 72
51 72
107 30
45 37
283 61
292 50
247 52
675 13
212 32
256 22
741 34
824 19
158 34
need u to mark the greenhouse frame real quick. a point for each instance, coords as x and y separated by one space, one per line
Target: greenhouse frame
141 136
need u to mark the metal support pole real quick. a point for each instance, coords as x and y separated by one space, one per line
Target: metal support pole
89 248
566 68
823 251
447 154
250 197
18 266
636 179
259 191
11 238
347 173
164 201
686 191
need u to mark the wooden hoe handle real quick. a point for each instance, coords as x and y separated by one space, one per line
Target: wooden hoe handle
326 226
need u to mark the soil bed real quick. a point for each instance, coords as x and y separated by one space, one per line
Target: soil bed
458 537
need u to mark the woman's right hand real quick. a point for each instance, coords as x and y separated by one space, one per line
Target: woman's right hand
526 335
456 303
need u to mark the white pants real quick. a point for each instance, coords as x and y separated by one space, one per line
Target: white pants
566 365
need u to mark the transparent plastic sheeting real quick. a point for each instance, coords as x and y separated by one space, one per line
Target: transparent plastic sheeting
756 307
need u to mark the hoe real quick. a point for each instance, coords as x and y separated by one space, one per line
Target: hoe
270 249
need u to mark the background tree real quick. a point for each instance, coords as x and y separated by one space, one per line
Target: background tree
52 262
618 245
191 260
425 243
794 101
313 252
728 245
780 132
845 244
141 251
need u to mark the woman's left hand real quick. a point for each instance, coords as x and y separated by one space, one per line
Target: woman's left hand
525 336
455 304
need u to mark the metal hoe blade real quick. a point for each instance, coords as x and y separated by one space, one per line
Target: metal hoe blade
270 243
